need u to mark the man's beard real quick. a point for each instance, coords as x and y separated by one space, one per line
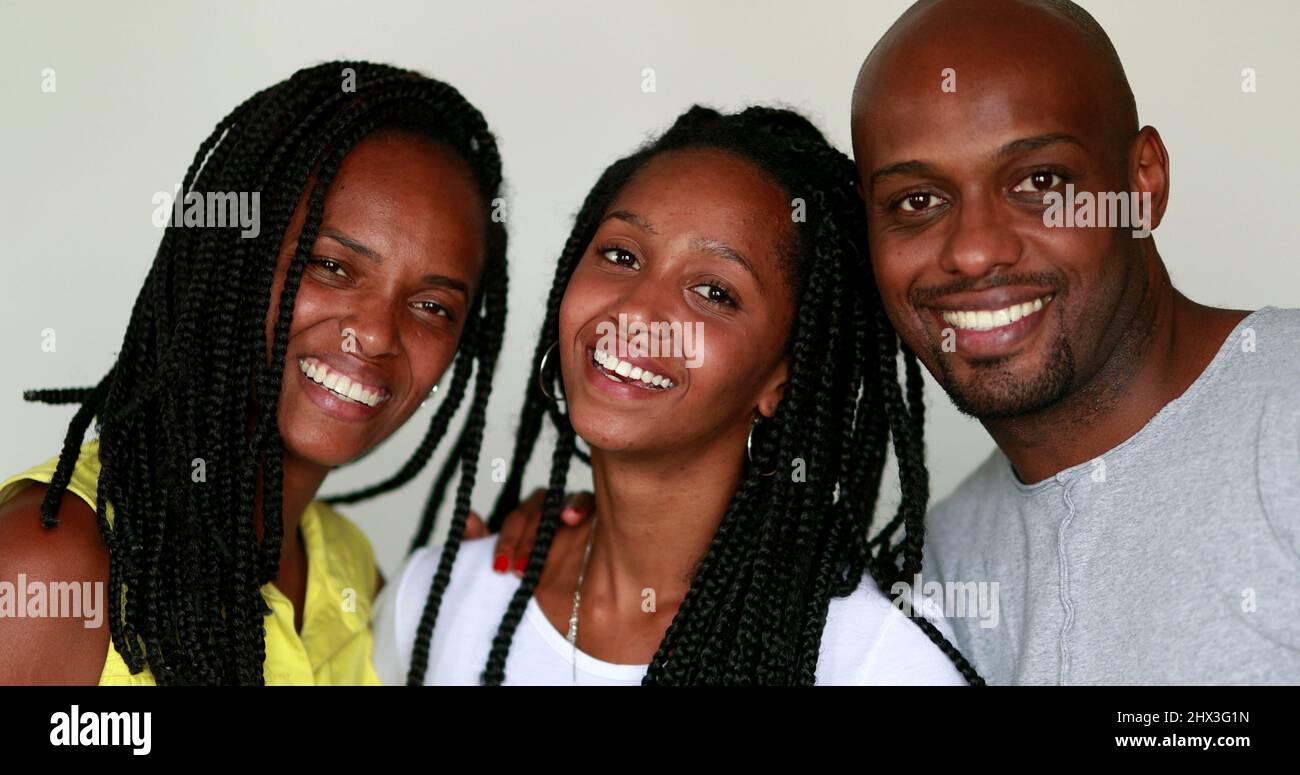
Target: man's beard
994 394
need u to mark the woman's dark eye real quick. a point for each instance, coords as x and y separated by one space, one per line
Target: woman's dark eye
434 307
621 257
330 265
919 202
1034 182
714 294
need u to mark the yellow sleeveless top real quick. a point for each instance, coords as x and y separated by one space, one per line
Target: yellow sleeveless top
336 644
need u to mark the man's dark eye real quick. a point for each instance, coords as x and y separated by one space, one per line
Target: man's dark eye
918 202
1041 180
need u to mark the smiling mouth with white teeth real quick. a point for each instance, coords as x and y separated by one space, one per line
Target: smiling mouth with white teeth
989 319
622 371
341 385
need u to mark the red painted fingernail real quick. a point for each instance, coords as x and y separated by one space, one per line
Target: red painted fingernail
501 563
568 514
520 564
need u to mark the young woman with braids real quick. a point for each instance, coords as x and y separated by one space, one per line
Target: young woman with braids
733 500
251 368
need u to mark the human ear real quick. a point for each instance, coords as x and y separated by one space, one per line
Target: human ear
774 390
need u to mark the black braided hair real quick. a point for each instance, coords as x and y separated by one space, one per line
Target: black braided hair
189 556
757 605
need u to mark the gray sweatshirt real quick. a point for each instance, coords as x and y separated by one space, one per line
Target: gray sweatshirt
1174 558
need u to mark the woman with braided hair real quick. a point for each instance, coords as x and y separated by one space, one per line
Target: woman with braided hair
734 485
250 368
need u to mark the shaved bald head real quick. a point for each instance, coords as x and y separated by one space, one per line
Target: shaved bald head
922 37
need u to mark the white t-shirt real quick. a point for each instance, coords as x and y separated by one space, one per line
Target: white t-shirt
867 640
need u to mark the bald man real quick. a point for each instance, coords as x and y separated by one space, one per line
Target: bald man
1139 520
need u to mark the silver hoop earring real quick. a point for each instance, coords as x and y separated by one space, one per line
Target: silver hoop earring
541 369
749 447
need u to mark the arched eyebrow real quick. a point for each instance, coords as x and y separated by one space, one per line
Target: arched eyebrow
1026 144
361 249
351 244
724 251
1022 145
913 167
703 244
627 216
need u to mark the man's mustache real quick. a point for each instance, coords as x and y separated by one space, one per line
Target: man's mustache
1053 280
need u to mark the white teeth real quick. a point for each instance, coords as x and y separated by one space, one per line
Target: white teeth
613 366
340 384
987 320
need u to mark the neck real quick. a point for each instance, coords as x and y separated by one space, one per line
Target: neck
655 519
1158 352
302 480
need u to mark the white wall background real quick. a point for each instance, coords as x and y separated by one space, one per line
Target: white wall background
140 84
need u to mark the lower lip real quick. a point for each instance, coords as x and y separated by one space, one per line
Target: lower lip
997 342
336 405
625 389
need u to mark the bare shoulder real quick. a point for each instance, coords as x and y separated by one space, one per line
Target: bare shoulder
53 615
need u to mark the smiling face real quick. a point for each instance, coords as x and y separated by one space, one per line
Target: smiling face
696 238
1009 314
384 297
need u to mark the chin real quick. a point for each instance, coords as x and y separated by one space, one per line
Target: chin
1008 388
604 431
308 439
320 452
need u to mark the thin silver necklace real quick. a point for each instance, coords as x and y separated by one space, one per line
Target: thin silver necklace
577 600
